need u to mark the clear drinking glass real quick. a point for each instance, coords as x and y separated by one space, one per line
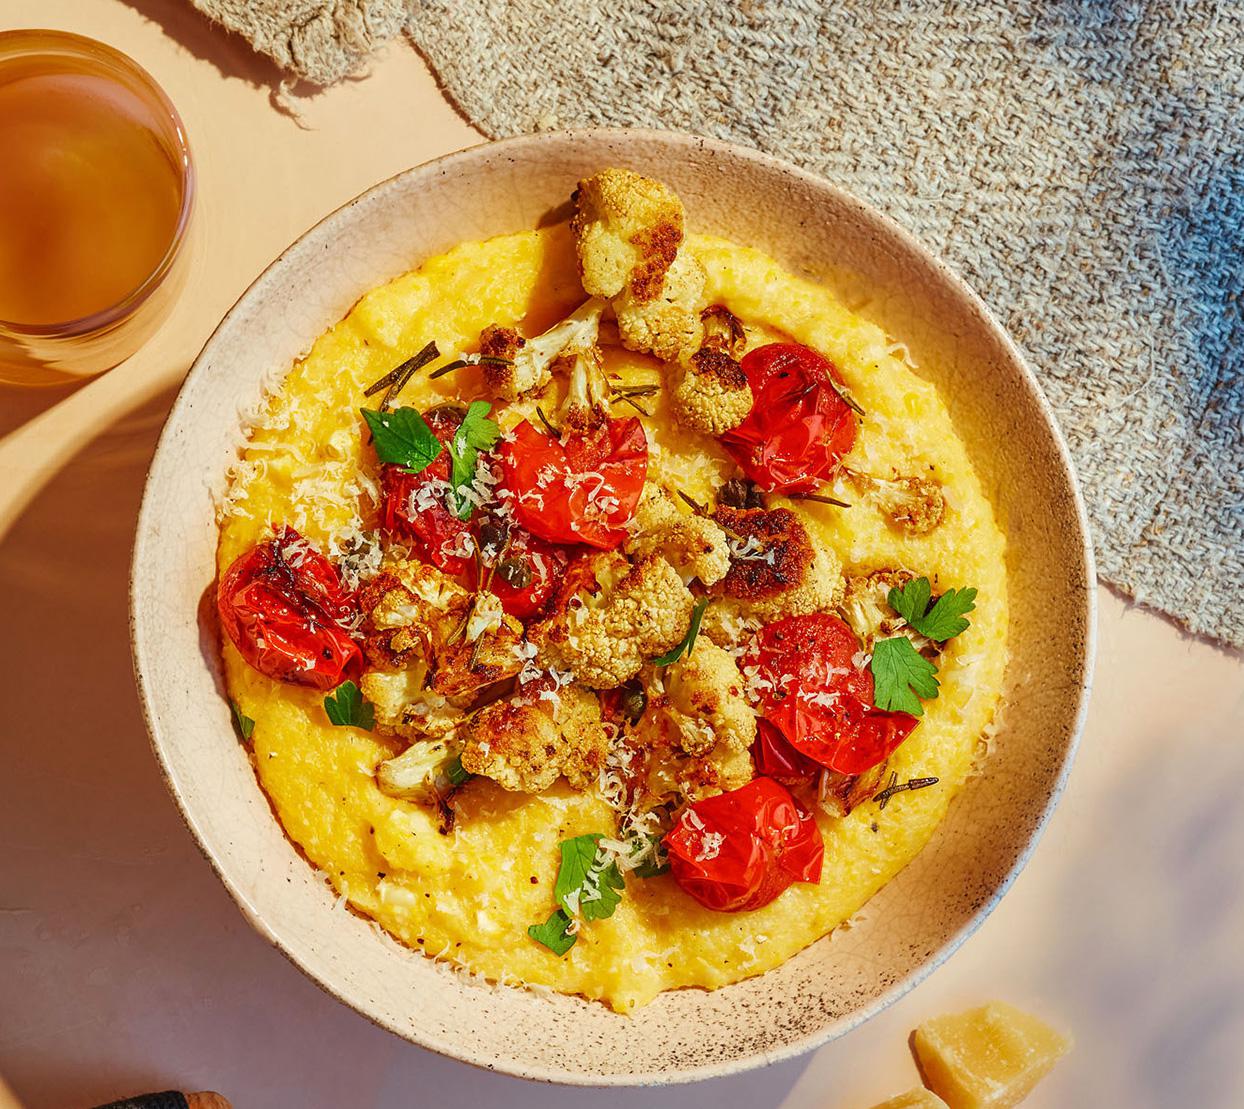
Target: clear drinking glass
96 190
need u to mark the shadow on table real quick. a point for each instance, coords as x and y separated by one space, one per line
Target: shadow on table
231 54
126 966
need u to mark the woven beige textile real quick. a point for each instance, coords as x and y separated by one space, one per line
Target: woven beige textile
1082 163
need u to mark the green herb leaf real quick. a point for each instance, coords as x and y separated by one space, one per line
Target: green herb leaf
403 438
656 863
476 433
553 933
456 772
584 888
245 725
944 620
898 668
347 709
688 642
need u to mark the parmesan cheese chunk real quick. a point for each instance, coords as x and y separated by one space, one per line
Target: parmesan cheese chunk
987 1058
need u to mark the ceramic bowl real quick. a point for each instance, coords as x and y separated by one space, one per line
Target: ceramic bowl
907 929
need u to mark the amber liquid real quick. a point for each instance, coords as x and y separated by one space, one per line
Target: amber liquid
90 195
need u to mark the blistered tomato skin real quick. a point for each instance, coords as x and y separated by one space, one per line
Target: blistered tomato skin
737 851
285 609
525 574
799 428
434 533
581 488
814 689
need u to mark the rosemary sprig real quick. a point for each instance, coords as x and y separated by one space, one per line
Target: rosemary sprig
846 397
895 786
696 507
633 403
820 498
636 390
448 367
546 422
395 380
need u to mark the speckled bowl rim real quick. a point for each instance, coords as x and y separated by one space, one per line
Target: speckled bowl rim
834 1028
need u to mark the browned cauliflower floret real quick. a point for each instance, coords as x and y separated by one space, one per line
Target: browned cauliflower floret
866 607
723 769
421 772
531 361
526 743
775 571
915 505
840 793
710 393
604 636
707 702
667 326
405 707
627 230
694 544
428 640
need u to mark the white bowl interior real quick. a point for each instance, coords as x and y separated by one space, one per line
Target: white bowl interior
918 918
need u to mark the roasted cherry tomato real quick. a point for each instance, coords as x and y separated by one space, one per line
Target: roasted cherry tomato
814 690
799 427
738 850
522 570
775 757
285 608
581 488
413 505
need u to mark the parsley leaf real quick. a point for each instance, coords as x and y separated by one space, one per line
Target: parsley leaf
476 433
898 668
584 888
347 709
656 863
553 933
688 641
941 622
403 438
245 725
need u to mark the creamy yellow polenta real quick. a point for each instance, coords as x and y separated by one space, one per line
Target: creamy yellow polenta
470 896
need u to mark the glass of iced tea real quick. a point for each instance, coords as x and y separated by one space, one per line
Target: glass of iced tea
96 189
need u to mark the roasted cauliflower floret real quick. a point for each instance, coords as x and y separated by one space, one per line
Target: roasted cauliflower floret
721 770
405 707
865 606
775 571
525 744
420 773
693 544
531 361
710 393
604 637
840 793
627 230
915 505
668 325
427 639
705 687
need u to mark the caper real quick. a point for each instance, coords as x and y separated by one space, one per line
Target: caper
633 704
515 572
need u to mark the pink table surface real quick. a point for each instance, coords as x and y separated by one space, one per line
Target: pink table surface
124 965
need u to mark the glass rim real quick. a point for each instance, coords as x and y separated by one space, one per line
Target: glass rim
54 43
